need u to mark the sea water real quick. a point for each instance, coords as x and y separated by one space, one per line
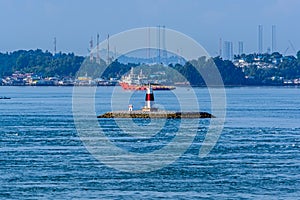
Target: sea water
257 155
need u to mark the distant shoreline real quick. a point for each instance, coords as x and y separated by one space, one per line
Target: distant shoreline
226 86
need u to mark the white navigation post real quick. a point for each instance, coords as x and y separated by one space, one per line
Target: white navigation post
149 100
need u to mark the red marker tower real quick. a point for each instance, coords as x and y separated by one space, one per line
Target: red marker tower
149 100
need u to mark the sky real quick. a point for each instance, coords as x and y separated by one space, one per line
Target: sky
32 24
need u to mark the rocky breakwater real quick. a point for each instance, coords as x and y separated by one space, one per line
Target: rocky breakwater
149 111
155 114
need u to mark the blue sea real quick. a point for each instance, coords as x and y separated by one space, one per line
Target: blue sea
43 156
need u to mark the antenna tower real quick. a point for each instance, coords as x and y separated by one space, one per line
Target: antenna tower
54 45
220 47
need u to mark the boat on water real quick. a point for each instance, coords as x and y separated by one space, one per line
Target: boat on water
102 82
127 86
139 82
4 97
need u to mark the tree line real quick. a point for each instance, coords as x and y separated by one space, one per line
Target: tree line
68 64
39 62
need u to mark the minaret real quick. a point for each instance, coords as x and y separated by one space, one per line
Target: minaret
148 50
260 39
158 44
98 53
54 45
273 38
108 58
91 50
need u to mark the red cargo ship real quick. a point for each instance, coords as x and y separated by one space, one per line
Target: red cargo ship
138 82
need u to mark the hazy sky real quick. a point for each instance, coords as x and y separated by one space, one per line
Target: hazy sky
31 24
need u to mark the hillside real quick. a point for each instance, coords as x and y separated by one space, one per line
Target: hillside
251 69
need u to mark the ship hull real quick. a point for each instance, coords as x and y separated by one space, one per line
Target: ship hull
127 86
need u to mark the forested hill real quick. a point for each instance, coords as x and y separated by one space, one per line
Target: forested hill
252 69
62 64
37 61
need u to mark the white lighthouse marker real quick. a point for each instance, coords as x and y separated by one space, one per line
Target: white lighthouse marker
149 100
